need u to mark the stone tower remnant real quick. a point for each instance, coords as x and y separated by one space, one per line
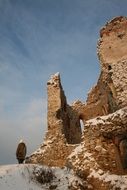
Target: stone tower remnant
112 52
64 130
60 112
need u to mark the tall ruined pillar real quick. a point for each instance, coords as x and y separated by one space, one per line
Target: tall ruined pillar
56 104
62 118
64 130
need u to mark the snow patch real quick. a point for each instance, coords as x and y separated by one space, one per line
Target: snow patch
53 78
117 181
23 176
106 119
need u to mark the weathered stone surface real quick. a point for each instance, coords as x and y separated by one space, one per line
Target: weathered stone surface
61 117
99 155
100 101
110 93
64 131
112 51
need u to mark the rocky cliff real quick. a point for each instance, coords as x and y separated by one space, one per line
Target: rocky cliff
99 155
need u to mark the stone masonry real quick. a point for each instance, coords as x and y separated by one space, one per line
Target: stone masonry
102 148
98 155
64 131
110 93
112 52
60 112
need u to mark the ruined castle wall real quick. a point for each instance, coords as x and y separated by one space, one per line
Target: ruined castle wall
60 115
100 102
110 92
112 51
56 98
99 150
99 137
103 151
64 130
99 154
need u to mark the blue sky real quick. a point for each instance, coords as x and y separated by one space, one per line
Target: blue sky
37 39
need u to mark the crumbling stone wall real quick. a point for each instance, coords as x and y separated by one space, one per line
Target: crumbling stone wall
110 93
112 52
100 101
100 154
99 135
98 150
60 111
64 130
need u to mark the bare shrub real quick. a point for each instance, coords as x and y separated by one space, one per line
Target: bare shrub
44 175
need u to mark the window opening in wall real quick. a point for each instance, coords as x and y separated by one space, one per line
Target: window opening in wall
82 125
109 67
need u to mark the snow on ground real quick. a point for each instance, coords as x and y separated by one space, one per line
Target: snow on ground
24 177
114 181
117 181
17 177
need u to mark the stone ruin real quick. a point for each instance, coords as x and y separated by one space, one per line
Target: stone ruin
102 147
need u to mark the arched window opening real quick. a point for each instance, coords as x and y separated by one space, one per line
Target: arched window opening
82 125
